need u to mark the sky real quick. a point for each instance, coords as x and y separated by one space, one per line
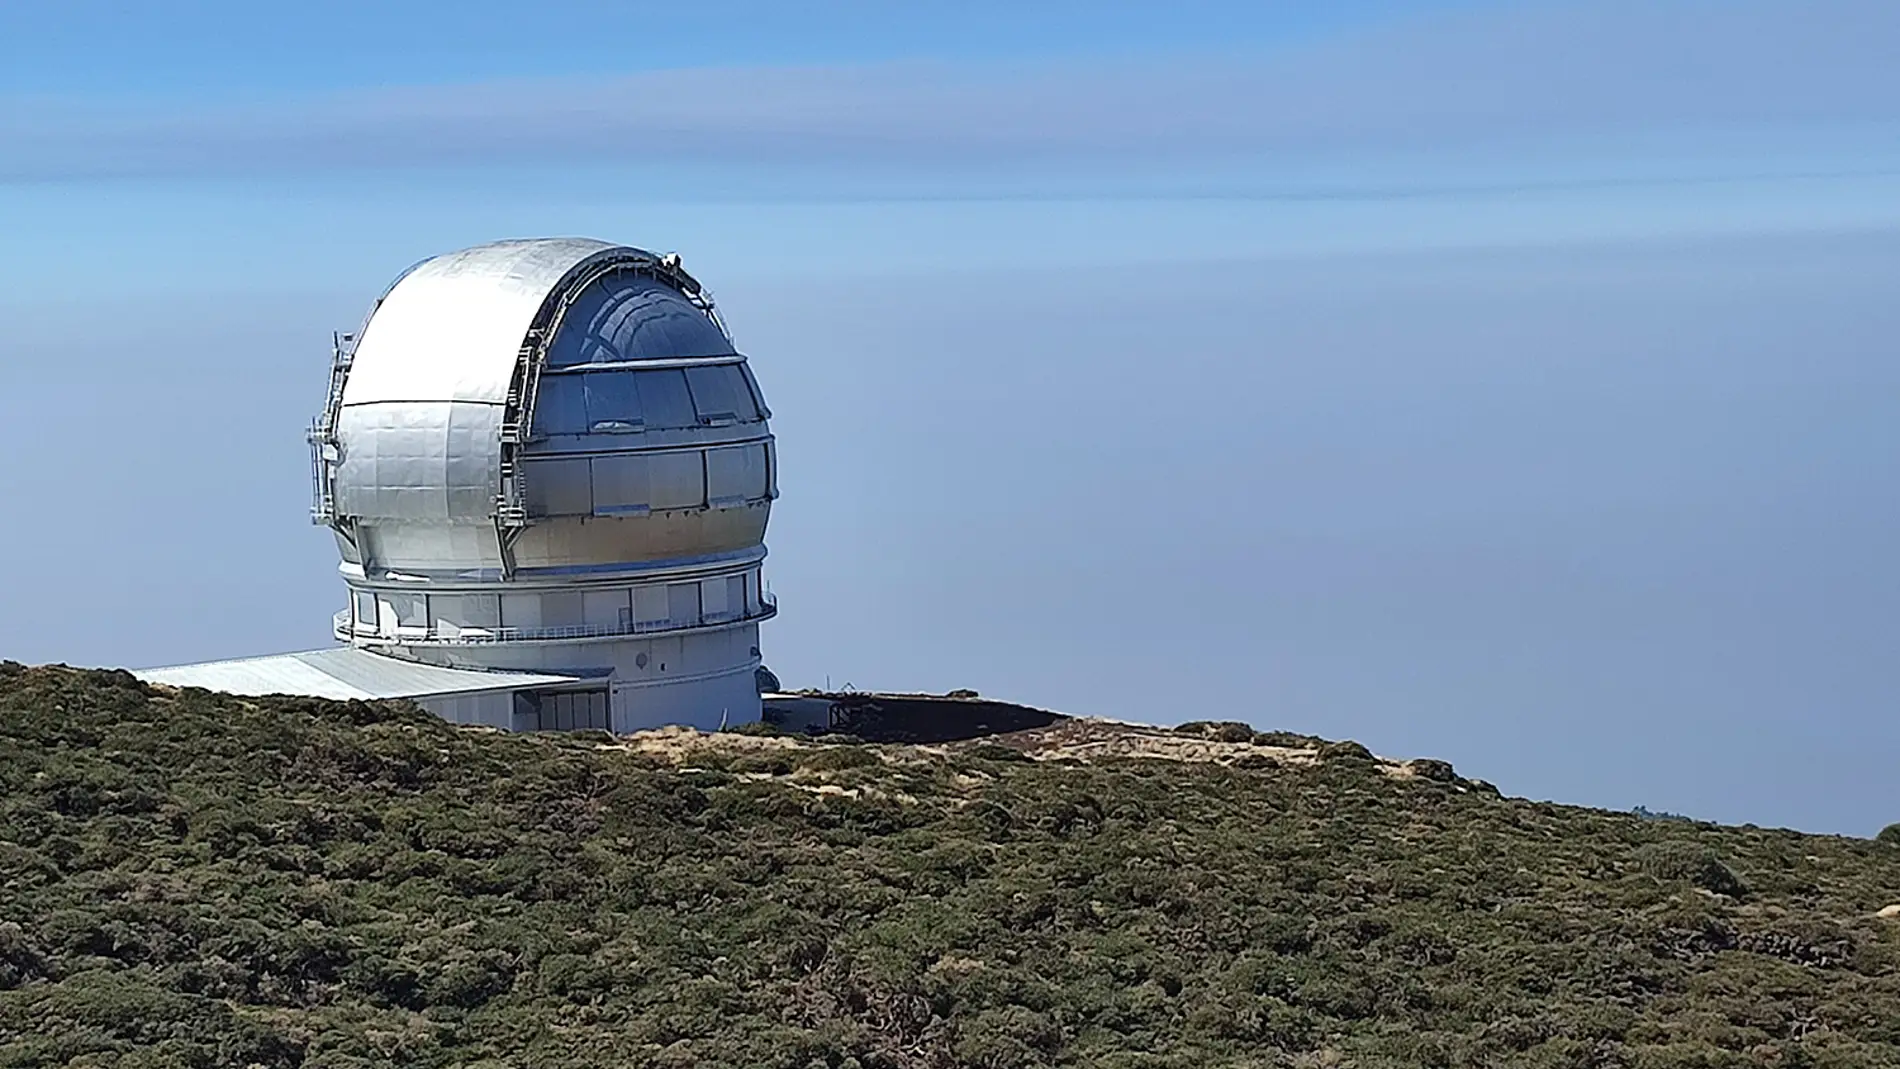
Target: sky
1508 383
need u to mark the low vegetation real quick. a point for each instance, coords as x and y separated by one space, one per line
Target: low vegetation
189 879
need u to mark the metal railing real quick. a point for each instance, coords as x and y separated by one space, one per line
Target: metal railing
343 626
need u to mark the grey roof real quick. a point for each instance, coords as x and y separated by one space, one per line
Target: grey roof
343 673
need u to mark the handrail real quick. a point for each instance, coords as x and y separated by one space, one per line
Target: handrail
345 629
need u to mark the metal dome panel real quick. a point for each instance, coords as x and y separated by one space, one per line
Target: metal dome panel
428 461
452 328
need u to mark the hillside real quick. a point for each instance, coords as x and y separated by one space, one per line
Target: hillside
189 879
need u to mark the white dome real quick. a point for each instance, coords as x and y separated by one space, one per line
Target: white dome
546 454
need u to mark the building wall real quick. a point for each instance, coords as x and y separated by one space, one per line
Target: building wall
493 709
707 703
703 679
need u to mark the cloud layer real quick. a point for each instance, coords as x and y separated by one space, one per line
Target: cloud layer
1570 70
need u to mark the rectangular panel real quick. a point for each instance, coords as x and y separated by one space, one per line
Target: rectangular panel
649 605
622 484
394 468
521 610
471 459
735 595
407 610
712 599
562 610
613 401
481 610
743 397
366 609
664 399
682 603
678 480
664 656
603 608
560 405
735 473
453 612
419 461
559 487
753 397
587 709
527 710
714 395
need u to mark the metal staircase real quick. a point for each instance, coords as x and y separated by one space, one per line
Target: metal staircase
322 434
511 504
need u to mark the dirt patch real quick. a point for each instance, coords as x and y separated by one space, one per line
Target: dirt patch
1080 738
680 744
909 728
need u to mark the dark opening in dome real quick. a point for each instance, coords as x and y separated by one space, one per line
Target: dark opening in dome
624 316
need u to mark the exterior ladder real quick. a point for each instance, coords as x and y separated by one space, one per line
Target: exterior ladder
322 434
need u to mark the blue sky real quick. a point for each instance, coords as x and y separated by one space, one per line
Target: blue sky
192 49
1498 382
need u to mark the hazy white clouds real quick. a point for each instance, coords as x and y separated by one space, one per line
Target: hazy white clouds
1536 73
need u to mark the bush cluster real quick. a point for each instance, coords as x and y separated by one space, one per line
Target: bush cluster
196 880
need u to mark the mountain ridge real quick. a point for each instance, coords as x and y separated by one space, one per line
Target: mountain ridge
202 880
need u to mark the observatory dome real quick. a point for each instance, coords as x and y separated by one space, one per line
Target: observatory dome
547 455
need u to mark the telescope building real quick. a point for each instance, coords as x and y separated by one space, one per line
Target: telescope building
548 472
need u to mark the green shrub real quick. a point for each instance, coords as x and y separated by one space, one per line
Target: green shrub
1345 751
770 763
762 728
1432 769
839 758
1715 875
1291 740
1218 730
1671 860
1889 835
1677 860
192 879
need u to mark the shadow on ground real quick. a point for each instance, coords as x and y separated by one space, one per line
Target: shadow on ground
925 718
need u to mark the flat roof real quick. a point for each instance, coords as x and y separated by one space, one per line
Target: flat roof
344 673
